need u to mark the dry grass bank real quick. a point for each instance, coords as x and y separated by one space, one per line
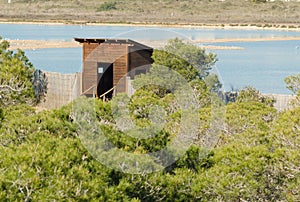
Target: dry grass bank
195 12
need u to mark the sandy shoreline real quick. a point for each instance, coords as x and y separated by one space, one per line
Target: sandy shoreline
275 27
43 44
247 40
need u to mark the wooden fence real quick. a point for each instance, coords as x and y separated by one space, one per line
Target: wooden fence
282 101
62 89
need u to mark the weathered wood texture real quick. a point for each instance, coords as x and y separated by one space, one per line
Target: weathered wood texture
105 53
62 89
139 60
139 57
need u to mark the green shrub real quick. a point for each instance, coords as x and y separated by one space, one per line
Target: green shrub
250 94
15 76
259 1
107 6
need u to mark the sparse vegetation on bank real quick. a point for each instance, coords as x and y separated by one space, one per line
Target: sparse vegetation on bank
235 12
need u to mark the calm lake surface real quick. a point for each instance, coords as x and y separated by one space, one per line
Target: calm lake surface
262 65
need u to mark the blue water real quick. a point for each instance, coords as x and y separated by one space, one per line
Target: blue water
67 32
262 65
63 60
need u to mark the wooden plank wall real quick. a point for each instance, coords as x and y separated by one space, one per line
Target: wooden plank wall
107 53
138 58
120 71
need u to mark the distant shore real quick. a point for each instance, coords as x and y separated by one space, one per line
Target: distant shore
233 14
42 44
236 26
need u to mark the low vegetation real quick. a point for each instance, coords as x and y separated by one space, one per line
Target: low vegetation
107 6
256 157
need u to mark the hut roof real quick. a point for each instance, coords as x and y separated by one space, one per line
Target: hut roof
112 41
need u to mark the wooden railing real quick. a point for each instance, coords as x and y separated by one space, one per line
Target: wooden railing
93 86
103 95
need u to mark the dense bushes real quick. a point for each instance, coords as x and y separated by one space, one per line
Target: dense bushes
255 156
15 77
